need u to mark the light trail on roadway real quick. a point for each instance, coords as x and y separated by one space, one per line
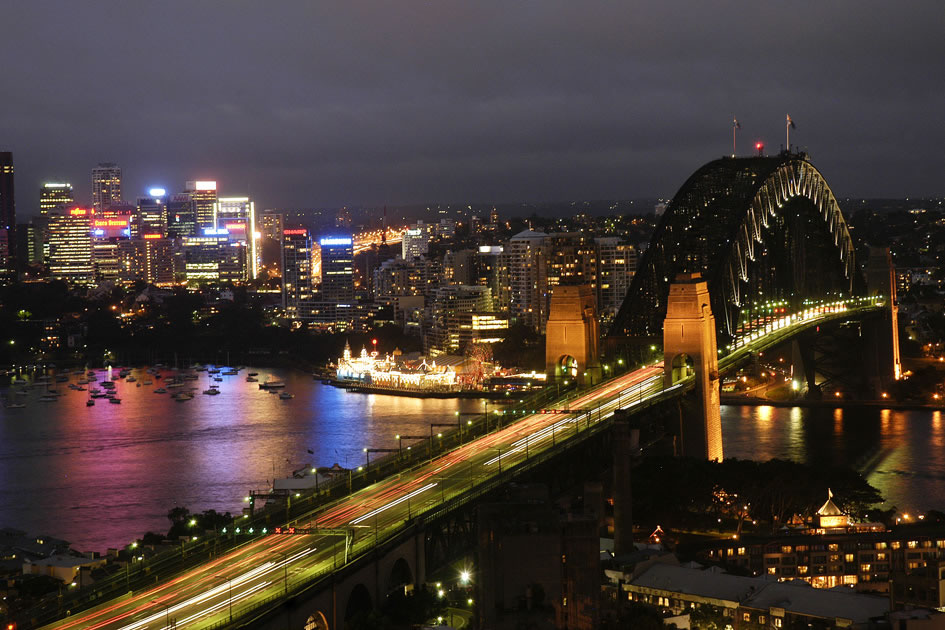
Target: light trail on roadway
271 564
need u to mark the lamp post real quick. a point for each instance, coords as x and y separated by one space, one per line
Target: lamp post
368 451
167 613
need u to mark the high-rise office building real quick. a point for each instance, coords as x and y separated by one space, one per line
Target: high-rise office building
70 245
461 315
7 215
54 196
296 271
111 230
416 241
272 225
151 217
106 186
181 216
214 258
337 269
527 260
149 259
204 196
616 264
237 216
29 245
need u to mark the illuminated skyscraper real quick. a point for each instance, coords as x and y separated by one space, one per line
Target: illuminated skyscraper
7 215
204 196
152 213
337 269
54 197
70 245
237 216
296 271
214 258
106 186
416 241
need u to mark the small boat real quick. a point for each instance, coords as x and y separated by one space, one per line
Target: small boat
218 379
89 403
83 381
252 379
90 374
286 396
182 396
78 372
160 390
115 401
15 406
272 385
213 391
137 384
48 398
131 379
99 395
108 384
254 373
62 379
146 382
230 373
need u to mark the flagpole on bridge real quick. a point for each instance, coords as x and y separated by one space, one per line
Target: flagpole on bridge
788 125
735 127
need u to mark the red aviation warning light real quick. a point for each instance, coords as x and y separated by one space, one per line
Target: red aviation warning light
760 148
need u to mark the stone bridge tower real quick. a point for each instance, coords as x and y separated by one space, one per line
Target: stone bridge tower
571 336
689 346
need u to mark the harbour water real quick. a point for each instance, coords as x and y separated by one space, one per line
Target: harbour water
101 476
902 453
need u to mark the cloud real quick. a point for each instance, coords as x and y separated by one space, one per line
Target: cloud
317 104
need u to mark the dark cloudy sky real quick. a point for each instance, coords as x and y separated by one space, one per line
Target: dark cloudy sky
323 103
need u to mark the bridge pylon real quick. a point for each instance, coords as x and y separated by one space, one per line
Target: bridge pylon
881 280
572 335
689 347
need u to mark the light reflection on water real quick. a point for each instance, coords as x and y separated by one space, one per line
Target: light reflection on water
900 452
101 476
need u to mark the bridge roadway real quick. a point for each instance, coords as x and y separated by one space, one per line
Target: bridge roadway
265 568
269 566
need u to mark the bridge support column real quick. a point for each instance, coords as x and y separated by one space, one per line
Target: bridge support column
571 336
804 365
881 280
626 441
689 346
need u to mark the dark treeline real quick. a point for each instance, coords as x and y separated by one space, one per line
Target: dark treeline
690 493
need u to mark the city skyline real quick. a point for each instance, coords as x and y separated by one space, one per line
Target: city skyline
371 104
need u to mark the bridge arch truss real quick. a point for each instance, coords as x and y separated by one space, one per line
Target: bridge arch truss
766 233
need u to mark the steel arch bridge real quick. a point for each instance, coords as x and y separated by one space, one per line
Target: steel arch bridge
766 233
